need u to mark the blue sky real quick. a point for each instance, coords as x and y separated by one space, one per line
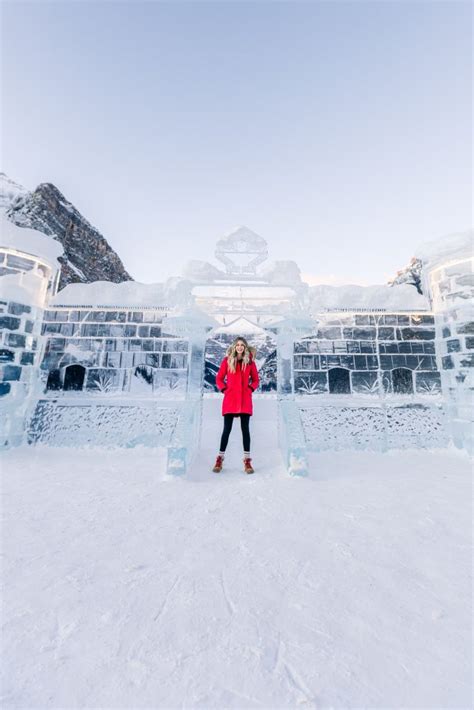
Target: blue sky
338 131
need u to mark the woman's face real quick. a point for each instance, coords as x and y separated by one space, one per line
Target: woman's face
240 348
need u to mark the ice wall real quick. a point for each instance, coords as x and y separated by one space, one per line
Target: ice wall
113 351
368 354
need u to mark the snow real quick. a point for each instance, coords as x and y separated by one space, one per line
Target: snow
347 589
379 297
105 293
459 245
76 270
29 241
197 270
244 292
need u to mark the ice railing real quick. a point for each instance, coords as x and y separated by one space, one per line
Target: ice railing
106 424
345 425
173 425
378 426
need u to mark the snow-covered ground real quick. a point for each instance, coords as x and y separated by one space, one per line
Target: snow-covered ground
348 589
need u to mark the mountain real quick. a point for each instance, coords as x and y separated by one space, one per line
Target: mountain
11 192
87 254
265 357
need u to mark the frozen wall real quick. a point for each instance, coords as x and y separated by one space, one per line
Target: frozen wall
104 424
122 377
388 424
113 351
368 353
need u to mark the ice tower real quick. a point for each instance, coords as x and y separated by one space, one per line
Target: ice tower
448 278
29 275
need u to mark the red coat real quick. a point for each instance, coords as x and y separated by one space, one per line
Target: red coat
237 387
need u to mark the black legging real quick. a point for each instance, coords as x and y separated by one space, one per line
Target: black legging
244 423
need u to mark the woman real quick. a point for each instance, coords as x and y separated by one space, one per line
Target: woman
237 379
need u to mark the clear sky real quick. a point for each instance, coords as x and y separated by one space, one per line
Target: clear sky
339 131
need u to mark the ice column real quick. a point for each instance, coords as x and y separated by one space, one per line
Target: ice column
192 323
291 434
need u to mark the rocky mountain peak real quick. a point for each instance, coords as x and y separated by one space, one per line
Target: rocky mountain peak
11 192
88 256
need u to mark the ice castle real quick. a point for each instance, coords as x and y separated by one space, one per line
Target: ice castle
129 364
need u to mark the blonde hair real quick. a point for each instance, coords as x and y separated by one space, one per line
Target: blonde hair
249 353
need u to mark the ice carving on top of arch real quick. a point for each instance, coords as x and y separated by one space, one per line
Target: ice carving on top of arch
242 251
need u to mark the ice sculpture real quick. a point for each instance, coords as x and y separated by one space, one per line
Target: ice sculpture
125 364
29 274
241 251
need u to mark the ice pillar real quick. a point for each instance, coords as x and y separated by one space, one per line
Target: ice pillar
291 434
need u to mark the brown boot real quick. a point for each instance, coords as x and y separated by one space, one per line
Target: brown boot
248 466
218 465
